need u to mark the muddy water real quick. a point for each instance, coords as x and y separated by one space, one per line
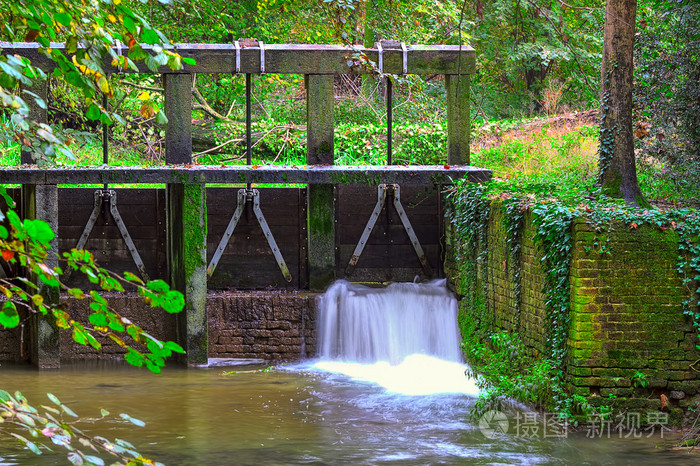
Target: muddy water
299 415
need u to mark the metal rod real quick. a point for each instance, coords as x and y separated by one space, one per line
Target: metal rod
105 138
389 119
248 123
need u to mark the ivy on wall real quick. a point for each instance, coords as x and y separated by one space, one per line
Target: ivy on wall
468 212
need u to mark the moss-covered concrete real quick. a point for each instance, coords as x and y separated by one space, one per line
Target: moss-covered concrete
187 229
321 235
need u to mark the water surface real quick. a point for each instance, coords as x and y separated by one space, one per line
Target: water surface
298 415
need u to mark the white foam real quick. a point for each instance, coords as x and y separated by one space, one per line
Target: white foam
417 374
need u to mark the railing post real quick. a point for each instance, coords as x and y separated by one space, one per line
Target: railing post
321 197
186 223
458 125
41 202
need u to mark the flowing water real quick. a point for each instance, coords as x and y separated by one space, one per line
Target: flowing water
360 403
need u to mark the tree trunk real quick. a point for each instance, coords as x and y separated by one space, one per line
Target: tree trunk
617 172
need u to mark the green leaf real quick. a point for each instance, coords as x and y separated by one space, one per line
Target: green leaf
74 79
174 347
94 460
77 293
129 24
136 422
98 320
93 112
161 119
54 399
31 445
63 18
9 318
150 37
133 278
189 61
134 358
68 411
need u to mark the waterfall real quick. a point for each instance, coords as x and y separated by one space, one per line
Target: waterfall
403 337
361 324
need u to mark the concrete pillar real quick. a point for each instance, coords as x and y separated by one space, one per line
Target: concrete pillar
187 254
458 125
320 198
186 223
41 202
178 110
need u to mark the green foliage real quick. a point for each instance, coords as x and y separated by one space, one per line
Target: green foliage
87 43
667 95
528 49
639 380
56 425
506 373
26 244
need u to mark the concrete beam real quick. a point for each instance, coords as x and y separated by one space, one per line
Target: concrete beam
241 174
288 59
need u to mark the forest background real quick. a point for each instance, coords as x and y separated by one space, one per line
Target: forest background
535 60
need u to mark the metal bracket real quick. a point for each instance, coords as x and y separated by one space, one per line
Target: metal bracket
404 52
120 68
237 45
109 196
244 196
262 56
380 57
381 201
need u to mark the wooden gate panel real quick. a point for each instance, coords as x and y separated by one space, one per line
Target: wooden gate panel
248 262
388 255
143 213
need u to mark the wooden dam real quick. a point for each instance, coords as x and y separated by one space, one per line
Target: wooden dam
248 258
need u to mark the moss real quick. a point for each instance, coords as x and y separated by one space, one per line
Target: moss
195 227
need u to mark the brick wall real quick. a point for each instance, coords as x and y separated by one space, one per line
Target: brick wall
273 326
625 316
495 282
269 325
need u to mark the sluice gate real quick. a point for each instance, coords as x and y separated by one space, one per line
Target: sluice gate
363 223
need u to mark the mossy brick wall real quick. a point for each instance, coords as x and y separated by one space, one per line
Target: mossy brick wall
495 281
156 322
266 325
272 326
626 315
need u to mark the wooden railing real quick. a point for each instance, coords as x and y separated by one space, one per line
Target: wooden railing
185 191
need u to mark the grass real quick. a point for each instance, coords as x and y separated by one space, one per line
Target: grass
558 160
